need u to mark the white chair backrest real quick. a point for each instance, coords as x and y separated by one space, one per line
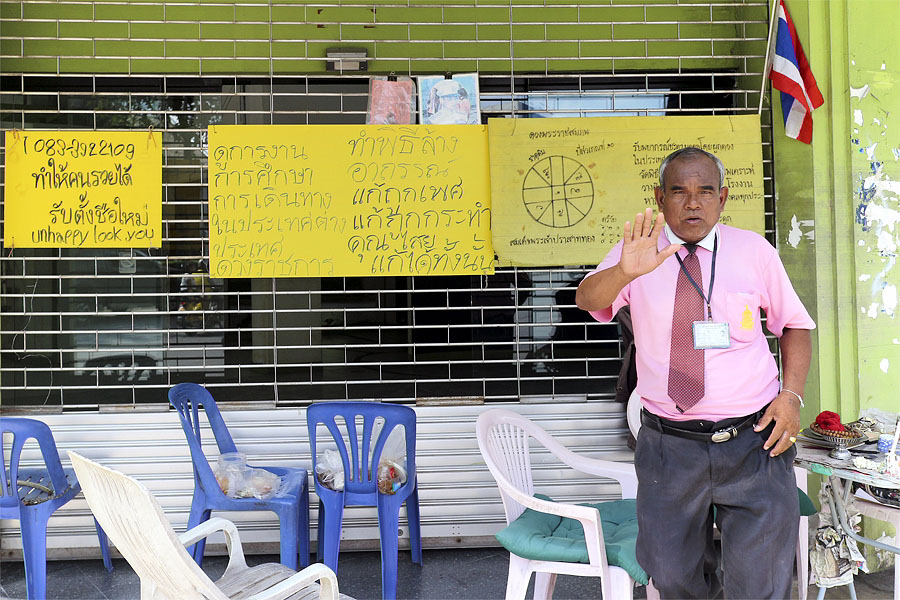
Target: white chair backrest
503 438
633 413
137 526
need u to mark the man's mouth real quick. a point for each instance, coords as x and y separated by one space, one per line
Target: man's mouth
693 220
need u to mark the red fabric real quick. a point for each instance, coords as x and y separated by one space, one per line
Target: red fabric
830 421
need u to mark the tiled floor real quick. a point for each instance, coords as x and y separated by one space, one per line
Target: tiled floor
463 574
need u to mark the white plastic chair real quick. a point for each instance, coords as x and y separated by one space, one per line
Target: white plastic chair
633 416
140 530
504 438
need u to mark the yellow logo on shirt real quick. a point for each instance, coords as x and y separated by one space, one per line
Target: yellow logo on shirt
747 321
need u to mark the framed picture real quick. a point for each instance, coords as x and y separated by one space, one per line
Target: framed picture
391 102
449 101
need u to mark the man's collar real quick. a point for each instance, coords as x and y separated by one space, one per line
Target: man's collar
706 242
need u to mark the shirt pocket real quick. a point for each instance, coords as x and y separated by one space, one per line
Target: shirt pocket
742 311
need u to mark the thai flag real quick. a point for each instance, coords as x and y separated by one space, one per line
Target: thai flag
791 74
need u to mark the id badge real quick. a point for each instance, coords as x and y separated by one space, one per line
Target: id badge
710 334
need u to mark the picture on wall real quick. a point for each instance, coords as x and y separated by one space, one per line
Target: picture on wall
391 102
449 101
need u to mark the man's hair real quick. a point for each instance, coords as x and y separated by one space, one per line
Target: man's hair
691 152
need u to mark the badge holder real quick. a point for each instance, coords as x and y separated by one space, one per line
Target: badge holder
711 334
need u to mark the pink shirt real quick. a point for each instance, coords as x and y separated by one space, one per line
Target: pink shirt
741 379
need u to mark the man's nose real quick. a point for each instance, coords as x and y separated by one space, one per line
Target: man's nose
692 200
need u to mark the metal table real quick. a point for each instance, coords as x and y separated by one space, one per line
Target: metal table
841 473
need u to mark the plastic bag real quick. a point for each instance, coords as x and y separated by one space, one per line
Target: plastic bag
237 480
230 471
391 473
330 470
260 484
391 102
390 476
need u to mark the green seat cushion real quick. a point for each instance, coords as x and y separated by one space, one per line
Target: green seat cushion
807 508
541 536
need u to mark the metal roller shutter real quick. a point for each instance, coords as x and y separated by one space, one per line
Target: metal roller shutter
99 336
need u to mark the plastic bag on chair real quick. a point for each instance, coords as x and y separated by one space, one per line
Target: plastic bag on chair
392 463
330 470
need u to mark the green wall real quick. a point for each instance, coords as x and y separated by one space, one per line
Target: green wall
838 210
428 36
837 203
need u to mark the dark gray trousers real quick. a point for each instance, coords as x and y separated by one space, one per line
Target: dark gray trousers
680 481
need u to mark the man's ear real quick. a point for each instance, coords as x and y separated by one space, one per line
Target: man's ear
660 195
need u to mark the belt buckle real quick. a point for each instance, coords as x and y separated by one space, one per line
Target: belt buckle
723 435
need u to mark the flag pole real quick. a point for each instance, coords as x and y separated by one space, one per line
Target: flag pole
768 64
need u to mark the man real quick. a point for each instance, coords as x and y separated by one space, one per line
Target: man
718 425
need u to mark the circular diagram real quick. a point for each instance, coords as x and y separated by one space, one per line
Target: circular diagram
558 191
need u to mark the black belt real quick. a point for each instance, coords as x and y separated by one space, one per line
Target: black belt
702 431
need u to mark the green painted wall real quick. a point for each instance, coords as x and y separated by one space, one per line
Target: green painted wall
427 36
838 203
838 210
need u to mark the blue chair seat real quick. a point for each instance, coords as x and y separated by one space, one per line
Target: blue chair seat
32 494
291 504
35 485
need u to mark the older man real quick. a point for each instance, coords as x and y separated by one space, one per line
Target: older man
718 423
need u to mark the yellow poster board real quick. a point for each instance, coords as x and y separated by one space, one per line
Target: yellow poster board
562 189
83 189
349 200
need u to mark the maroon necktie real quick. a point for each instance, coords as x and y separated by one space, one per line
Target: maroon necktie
686 365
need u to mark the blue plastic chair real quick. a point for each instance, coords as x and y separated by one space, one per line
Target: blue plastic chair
360 480
291 504
31 494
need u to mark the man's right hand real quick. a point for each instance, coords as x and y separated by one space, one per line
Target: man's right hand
639 252
639 257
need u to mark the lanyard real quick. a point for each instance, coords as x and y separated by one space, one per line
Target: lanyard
712 278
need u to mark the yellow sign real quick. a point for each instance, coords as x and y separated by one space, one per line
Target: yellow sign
83 189
562 189
349 200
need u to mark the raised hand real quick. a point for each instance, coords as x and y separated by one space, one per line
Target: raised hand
639 250
639 257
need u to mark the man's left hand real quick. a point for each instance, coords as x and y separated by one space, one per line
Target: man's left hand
785 411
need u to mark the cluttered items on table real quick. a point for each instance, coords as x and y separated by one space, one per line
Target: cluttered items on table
870 443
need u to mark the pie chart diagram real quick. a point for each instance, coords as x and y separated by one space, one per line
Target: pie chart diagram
558 191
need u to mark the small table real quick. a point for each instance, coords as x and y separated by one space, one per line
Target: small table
840 474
